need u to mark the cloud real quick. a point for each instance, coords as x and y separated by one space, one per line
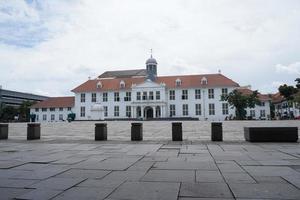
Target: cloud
293 68
52 46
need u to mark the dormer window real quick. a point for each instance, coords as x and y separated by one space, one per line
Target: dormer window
122 84
178 82
204 81
99 85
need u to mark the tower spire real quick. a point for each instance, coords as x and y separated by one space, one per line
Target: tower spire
151 53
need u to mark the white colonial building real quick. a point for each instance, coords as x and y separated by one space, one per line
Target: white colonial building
134 94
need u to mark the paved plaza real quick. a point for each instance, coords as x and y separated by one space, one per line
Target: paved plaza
68 164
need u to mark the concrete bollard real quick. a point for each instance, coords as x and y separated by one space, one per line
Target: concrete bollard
3 131
216 131
100 131
33 131
136 131
177 131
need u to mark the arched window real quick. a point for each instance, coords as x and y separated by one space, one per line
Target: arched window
204 81
178 82
99 85
122 84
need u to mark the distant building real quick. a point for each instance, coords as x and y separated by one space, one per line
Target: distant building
141 93
14 98
261 111
284 109
53 109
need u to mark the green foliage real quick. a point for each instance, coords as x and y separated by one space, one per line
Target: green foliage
24 110
240 102
297 83
287 91
8 113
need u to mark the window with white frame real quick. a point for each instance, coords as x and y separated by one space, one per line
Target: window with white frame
172 110
252 113
211 109
44 117
52 109
36 110
224 91
225 108
82 111
105 97
151 95
198 109
105 111
138 96
172 94
94 97
116 96
52 117
69 108
44 109
262 103
37 118
197 94
82 97
61 117
128 111
262 113
211 93
184 95
157 95
144 96
116 111
127 96
185 109
61 109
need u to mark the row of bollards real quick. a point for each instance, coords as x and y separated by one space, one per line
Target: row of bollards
34 131
137 131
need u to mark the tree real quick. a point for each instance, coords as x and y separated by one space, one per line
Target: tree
24 110
8 113
240 102
288 91
297 83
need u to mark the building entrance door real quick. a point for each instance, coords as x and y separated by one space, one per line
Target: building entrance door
148 112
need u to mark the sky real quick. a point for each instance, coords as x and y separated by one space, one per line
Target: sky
49 47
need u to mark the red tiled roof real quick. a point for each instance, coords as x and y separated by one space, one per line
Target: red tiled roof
187 81
262 97
277 98
56 102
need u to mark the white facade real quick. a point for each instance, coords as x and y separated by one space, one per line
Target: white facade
261 112
208 108
51 114
282 110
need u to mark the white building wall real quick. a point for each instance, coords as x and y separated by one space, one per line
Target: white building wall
164 103
39 114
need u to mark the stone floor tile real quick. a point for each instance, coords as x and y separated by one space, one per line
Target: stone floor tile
11 193
80 193
209 176
83 173
270 171
238 178
170 176
57 183
6 164
146 191
265 190
100 183
183 165
39 194
16 183
212 190
124 176
231 167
